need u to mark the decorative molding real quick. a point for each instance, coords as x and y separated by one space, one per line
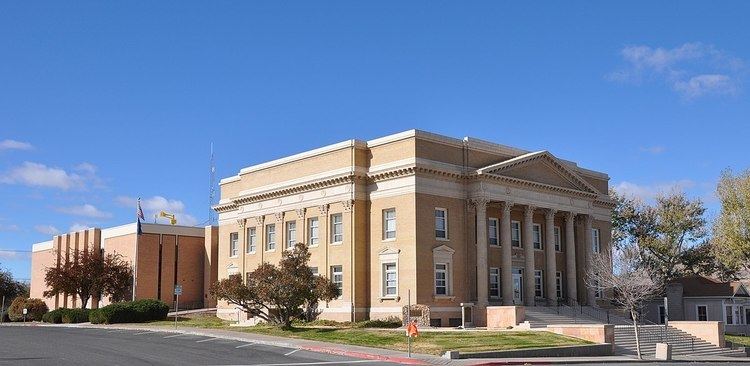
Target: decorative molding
528 211
241 223
550 213
279 216
323 209
570 215
506 207
348 205
480 202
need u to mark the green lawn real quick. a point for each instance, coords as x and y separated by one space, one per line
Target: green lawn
395 339
740 340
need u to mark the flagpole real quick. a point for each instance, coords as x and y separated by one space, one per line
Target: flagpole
137 238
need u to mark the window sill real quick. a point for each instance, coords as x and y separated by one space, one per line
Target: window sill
270 250
494 245
337 243
443 297
248 253
389 298
234 256
442 239
313 245
388 240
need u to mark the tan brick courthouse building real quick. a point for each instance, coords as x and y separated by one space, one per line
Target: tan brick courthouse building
454 221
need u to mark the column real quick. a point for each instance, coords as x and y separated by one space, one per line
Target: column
241 249
528 250
551 257
570 257
301 227
587 241
506 271
482 271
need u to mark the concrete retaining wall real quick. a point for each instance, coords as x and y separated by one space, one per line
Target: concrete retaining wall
566 351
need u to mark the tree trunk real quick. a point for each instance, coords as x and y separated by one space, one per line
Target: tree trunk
637 338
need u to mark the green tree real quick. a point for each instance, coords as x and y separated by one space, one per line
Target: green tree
89 274
11 288
731 230
662 232
278 294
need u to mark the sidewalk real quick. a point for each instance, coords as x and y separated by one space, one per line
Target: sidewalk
380 354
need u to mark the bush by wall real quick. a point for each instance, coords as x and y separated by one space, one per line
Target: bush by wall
36 309
64 315
138 311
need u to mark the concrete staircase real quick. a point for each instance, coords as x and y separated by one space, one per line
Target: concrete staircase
541 316
682 343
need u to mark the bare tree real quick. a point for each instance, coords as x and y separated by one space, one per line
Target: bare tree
630 281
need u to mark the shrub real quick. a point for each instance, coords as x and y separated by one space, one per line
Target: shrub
390 322
75 316
54 316
130 312
36 309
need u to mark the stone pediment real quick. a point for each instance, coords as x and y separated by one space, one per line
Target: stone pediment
539 167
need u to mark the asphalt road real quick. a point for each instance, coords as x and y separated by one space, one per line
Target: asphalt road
90 346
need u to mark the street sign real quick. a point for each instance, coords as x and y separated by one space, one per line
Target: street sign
178 290
25 311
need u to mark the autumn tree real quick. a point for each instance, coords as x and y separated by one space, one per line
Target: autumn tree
662 232
90 275
731 230
10 287
278 294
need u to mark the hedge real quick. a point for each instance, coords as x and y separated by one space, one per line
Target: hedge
64 315
36 309
138 311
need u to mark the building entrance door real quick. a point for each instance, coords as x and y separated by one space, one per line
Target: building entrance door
517 288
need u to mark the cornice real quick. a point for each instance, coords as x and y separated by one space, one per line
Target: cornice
536 185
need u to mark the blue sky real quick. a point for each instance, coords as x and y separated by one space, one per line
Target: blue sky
101 102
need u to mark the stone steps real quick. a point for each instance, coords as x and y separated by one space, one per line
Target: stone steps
682 343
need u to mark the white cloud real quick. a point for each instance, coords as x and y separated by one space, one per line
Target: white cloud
78 227
47 229
692 69
85 210
15 145
656 150
14 255
9 227
648 192
155 204
40 175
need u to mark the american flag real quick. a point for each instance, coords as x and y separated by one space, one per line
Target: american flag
139 211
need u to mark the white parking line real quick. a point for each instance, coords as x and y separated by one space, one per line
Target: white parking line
174 335
144 333
245 345
306 363
205 340
289 353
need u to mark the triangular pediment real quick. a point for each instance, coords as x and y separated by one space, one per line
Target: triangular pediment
741 291
539 167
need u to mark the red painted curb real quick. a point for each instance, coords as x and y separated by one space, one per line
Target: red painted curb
367 356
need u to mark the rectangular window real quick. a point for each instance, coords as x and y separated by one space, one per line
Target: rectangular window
595 241
536 231
515 234
558 240
390 279
233 238
559 284
314 228
662 314
730 315
441 279
314 270
492 231
702 313
337 228
337 277
252 240
441 223
271 237
291 234
494 283
389 223
538 283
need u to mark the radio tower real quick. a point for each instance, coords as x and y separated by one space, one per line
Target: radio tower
212 189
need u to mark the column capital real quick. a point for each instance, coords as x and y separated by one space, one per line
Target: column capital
260 219
300 213
241 223
507 206
323 209
348 205
479 202
570 215
550 213
279 216
529 210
